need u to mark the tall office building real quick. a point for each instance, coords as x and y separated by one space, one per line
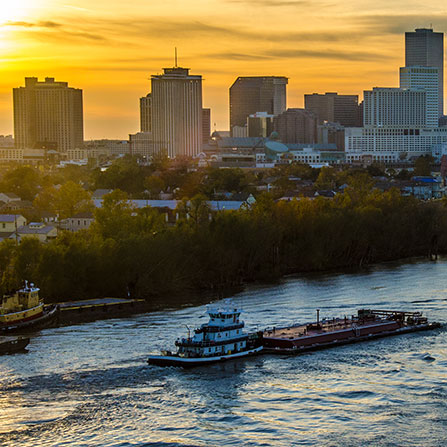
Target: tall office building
296 126
394 108
48 114
426 78
260 124
334 108
252 94
206 125
425 48
146 113
177 112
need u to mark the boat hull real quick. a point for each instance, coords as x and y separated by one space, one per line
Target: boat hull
10 345
48 318
188 362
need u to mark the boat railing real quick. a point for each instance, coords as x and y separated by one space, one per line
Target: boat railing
204 344
209 328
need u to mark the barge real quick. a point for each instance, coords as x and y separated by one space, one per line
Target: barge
366 325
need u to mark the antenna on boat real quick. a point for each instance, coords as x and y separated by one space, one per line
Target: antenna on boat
189 331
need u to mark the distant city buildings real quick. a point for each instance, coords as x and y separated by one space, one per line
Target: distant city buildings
395 107
252 94
334 108
48 115
296 126
146 113
426 78
425 48
141 144
260 124
177 112
206 125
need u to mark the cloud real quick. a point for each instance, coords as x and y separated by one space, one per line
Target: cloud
42 24
273 3
331 54
399 23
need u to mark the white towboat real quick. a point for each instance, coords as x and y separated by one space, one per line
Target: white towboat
222 338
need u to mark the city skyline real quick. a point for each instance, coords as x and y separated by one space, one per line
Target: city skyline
320 47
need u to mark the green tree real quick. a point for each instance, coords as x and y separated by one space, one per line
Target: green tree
72 198
422 165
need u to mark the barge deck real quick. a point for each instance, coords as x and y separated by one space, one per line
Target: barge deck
368 325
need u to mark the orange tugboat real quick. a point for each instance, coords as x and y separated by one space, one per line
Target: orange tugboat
23 311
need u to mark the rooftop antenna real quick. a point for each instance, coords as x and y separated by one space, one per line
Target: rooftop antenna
175 57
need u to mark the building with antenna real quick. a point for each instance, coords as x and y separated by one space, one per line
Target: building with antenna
425 48
177 111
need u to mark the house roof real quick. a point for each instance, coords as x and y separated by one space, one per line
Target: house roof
24 229
10 217
11 195
99 193
86 215
5 235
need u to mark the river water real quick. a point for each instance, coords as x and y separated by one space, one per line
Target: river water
89 384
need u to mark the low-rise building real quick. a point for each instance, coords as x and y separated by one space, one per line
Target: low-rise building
80 221
10 222
38 230
9 197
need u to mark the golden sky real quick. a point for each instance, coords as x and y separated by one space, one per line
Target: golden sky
109 48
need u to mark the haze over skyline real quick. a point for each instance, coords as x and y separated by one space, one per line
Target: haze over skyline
109 49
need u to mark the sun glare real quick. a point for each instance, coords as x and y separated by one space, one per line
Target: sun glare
13 10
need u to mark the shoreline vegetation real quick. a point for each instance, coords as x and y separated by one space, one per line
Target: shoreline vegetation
135 252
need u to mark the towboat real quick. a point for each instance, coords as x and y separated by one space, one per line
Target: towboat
366 325
222 338
23 311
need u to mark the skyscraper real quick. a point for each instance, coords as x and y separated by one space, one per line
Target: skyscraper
251 94
334 108
48 114
425 48
297 126
177 112
394 108
426 78
146 113
206 125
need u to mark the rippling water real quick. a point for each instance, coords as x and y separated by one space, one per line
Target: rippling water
89 385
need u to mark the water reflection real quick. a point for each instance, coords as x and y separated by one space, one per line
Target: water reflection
88 385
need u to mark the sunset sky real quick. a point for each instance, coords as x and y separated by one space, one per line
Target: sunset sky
109 48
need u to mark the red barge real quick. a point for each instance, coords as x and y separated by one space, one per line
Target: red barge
367 325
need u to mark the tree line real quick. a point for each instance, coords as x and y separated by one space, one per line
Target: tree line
136 252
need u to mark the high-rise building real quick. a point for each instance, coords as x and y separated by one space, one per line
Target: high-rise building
252 94
425 78
260 124
48 114
425 48
334 108
206 125
177 112
141 144
296 126
146 113
394 107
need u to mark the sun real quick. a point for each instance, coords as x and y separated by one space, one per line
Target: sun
11 11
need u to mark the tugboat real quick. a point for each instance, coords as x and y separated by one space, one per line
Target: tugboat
218 340
23 311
